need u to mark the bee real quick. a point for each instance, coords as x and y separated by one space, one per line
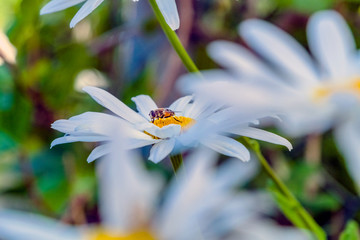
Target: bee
161 113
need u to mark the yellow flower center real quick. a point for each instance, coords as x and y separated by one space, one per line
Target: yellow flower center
103 235
328 89
184 122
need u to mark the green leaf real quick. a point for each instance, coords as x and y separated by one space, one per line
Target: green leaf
50 179
351 232
306 6
16 122
6 142
6 88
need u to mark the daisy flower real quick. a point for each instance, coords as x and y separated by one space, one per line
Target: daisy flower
312 93
198 204
167 7
190 123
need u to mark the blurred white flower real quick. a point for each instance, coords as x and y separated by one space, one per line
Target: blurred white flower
167 7
200 203
90 77
7 50
194 123
312 93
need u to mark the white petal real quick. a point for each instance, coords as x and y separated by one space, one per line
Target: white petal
201 108
133 143
332 43
161 150
259 229
18 226
127 191
187 82
180 104
144 105
64 125
281 49
85 10
348 141
181 206
240 60
58 5
138 139
70 139
113 104
234 171
169 11
200 130
168 131
263 135
89 124
227 146
98 152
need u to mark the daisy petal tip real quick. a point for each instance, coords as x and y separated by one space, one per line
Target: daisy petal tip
246 159
174 26
53 144
156 161
43 11
46 10
288 145
73 24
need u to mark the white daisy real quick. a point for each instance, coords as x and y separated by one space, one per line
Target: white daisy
167 7
313 93
194 123
199 204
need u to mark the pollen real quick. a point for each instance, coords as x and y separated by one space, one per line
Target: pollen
352 86
184 122
103 235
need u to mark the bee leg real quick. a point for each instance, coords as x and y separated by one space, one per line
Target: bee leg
177 120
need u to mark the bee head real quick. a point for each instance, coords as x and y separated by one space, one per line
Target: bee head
152 114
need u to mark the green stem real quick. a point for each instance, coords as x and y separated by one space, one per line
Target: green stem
173 39
306 218
176 162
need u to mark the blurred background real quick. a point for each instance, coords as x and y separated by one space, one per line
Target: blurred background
121 47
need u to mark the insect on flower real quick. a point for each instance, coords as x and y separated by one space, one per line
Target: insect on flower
161 113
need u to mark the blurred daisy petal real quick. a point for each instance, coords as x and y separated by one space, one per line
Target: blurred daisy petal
332 43
180 104
161 150
348 139
238 59
7 50
281 49
18 226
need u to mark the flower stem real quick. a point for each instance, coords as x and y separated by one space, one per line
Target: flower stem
174 39
176 161
306 218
